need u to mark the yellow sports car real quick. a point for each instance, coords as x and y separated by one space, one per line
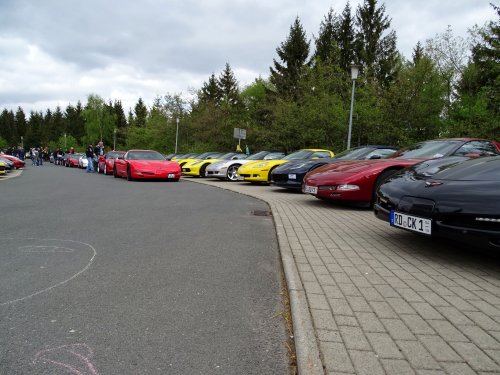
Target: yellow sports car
260 171
197 167
181 158
196 157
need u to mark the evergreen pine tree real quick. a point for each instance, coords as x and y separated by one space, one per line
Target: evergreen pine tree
326 42
141 113
418 53
346 39
210 91
21 122
293 53
228 86
376 52
75 123
8 129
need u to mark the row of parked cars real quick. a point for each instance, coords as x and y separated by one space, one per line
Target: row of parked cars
9 163
443 187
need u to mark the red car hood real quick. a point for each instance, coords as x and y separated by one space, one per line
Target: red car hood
156 164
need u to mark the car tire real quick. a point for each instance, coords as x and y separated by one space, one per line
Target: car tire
380 180
115 173
129 175
232 174
203 170
105 169
269 175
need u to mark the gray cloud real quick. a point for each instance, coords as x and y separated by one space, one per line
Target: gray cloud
59 51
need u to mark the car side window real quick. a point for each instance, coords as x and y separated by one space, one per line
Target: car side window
482 148
380 153
320 154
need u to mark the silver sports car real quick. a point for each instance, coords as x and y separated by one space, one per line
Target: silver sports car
226 169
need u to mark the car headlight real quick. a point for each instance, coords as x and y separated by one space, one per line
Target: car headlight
197 162
261 165
298 166
347 187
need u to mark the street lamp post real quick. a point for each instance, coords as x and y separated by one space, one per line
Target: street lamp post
65 142
176 134
114 139
354 76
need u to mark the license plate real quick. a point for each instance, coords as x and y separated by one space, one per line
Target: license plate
292 176
310 189
413 223
171 175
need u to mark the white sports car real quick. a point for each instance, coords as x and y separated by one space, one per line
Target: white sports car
83 162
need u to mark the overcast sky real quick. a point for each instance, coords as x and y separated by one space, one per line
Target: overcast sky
56 52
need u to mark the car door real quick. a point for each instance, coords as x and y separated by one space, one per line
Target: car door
120 165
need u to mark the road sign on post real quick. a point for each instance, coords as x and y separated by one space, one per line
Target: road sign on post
240 134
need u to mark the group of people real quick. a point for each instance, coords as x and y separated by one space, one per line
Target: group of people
38 155
92 153
18 152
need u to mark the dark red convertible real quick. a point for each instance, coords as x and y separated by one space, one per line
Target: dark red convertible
357 180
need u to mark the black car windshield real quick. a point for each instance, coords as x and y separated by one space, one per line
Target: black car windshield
144 155
353 153
301 154
430 149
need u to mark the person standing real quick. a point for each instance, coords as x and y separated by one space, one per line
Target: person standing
89 153
34 157
98 151
40 156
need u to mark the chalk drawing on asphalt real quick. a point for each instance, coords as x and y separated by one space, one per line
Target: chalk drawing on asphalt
52 246
75 359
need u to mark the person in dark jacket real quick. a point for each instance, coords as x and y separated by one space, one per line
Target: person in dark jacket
89 153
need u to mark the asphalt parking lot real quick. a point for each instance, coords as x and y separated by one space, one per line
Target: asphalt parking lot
371 299
102 276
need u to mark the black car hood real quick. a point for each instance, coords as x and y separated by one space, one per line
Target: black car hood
470 186
458 169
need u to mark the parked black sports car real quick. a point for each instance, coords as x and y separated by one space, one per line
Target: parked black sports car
456 197
291 174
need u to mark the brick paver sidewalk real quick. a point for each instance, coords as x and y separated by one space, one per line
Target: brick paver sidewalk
371 299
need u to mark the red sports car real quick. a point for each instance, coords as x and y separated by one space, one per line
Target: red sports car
358 180
72 160
106 162
18 163
146 164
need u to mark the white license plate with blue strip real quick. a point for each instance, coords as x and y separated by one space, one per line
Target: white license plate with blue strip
410 222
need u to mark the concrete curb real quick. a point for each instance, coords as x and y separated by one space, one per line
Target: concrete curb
306 345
